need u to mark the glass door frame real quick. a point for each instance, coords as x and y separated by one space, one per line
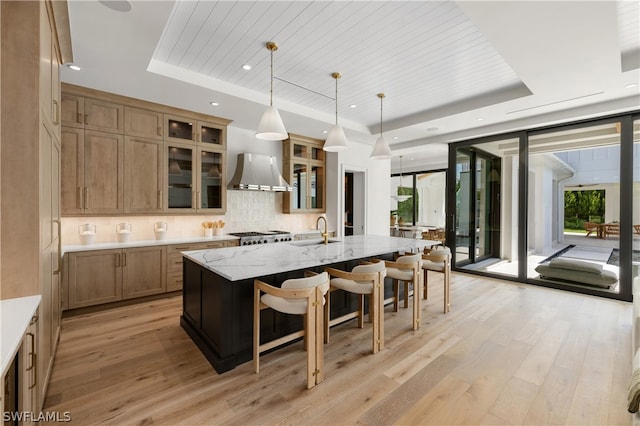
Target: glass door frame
474 155
626 121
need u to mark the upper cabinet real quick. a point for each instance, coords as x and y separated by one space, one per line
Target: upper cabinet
155 158
92 114
185 129
304 168
143 123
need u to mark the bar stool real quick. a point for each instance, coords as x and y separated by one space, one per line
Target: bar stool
298 296
406 268
366 279
439 260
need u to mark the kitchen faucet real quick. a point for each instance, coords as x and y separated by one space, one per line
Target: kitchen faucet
325 235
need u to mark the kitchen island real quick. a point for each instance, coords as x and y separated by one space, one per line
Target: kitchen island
218 288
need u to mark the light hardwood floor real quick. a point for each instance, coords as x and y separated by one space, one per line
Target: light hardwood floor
505 354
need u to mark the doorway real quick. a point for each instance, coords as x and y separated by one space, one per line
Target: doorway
477 206
354 191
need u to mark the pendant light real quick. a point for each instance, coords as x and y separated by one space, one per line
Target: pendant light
271 127
381 150
336 141
400 198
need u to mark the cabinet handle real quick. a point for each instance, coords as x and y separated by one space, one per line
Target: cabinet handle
32 337
194 137
160 198
198 199
193 199
179 262
86 197
80 197
57 271
79 118
56 114
86 119
117 255
159 131
124 259
33 360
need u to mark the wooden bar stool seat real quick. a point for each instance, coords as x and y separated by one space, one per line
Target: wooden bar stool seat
406 268
364 280
298 296
438 260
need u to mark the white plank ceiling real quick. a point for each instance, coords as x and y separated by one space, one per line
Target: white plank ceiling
443 65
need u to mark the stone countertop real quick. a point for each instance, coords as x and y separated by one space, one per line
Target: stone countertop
15 317
244 262
145 243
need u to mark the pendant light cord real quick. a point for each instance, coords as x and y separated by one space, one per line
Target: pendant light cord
336 101
271 88
380 116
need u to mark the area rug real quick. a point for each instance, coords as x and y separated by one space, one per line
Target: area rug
614 259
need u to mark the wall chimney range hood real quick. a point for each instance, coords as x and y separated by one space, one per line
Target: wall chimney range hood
258 172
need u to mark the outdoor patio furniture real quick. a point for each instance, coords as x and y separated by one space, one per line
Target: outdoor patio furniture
591 227
636 229
577 272
611 229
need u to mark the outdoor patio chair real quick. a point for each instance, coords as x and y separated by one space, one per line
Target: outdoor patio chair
590 227
636 229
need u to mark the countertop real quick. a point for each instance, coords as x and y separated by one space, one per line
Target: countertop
15 316
145 243
243 262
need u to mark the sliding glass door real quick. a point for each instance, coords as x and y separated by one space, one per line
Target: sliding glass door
477 206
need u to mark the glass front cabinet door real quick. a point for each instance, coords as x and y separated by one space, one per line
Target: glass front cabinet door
180 179
185 129
304 168
211 192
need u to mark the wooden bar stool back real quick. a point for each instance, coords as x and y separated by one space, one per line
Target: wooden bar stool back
298 296
406 268
439 260
367 279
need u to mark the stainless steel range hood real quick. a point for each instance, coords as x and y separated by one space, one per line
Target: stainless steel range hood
258 172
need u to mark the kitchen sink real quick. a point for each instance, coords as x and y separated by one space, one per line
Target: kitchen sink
312 242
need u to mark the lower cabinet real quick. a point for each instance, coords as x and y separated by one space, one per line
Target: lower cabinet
103 276
95 277
19 385
174 259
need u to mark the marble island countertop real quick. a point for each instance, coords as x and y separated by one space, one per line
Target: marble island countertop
243 262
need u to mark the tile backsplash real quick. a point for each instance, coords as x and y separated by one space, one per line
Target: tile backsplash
246 211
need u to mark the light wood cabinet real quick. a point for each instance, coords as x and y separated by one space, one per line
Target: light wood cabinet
143 123
175 259
103 116
72 114
143 271
91 114
143 175
195 178
92 172
184 129
94 277
151 161
304 168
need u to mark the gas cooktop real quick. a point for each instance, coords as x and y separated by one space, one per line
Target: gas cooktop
265 237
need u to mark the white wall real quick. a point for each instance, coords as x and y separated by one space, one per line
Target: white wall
377 198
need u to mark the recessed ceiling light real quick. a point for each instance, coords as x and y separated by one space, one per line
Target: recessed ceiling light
117 5
395 137
324 131
353 106
432 129
246 67
73 67
479 119
214 103
629 86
